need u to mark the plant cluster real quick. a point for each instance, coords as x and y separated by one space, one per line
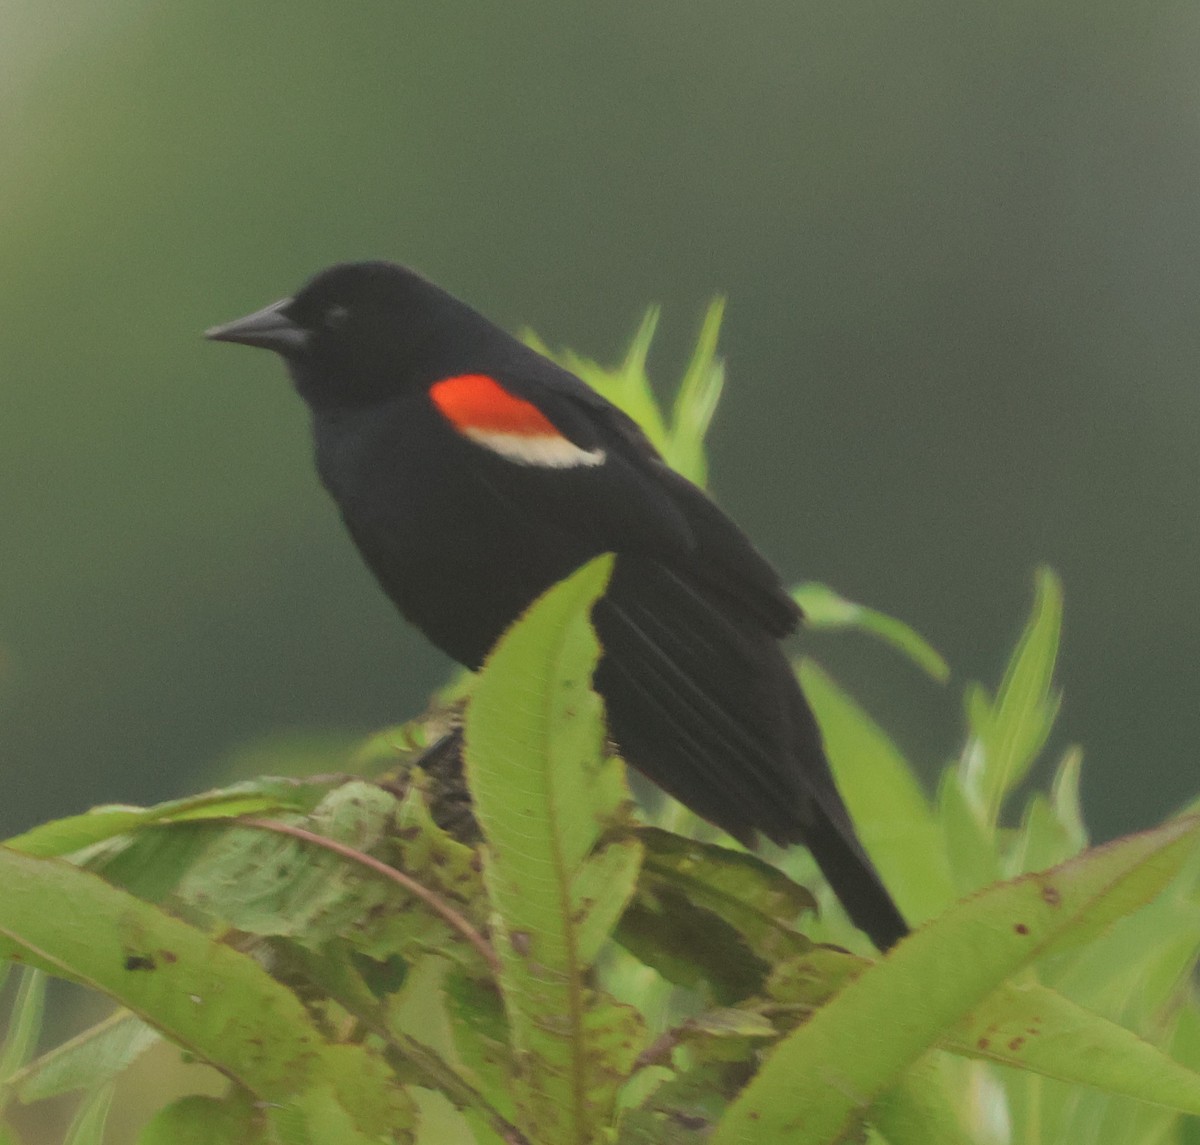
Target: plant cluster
476 935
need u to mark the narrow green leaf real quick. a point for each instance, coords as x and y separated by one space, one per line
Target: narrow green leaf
890 810
970 842
826 609
1007 733
600 892
814 1085
1041 841
87 1126
205 996
24 1024
1064 798
696 400
544 791
89 1060
626 386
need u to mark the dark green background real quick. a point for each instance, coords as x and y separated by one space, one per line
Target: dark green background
960 245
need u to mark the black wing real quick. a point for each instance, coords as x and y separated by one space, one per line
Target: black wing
699 695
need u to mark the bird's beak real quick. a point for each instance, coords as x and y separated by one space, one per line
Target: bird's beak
270 328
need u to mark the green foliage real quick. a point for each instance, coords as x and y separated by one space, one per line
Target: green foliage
380 960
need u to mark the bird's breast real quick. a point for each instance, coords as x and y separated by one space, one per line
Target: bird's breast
459 558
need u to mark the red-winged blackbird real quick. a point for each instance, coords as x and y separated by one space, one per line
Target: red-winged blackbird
473 474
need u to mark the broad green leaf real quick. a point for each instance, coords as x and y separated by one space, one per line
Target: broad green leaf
707 914
1007 733
758 900
812 1087
887 805
150 863
411 1057
318 1116
544 791
88 1060
1185 1042
689 945
684 1108
825 608
919 1108
197 1120
1032 1028
1134 970
1026 1026
205 996
274 884
254 797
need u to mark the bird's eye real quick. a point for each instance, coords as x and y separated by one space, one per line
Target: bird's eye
335 317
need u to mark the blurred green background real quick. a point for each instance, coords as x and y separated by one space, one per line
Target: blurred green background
960 247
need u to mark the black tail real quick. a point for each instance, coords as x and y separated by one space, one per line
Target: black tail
856 883
704 703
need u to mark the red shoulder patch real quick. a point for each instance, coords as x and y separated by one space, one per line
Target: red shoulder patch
480 403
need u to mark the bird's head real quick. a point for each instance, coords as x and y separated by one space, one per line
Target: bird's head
359 332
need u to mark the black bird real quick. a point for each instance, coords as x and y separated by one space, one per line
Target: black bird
473 474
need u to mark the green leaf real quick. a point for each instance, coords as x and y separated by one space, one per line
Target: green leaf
627 386
24 1024
87 1126
1032 1028
255 797
812 1087
197 1120
684 1108
1007 733
1025 1026
1042 841
1064 798
412 1059
544 792
274 884
1134 970
919 1109
970 842
696 400
826 609
705 913
89 1060
891 812
206 997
